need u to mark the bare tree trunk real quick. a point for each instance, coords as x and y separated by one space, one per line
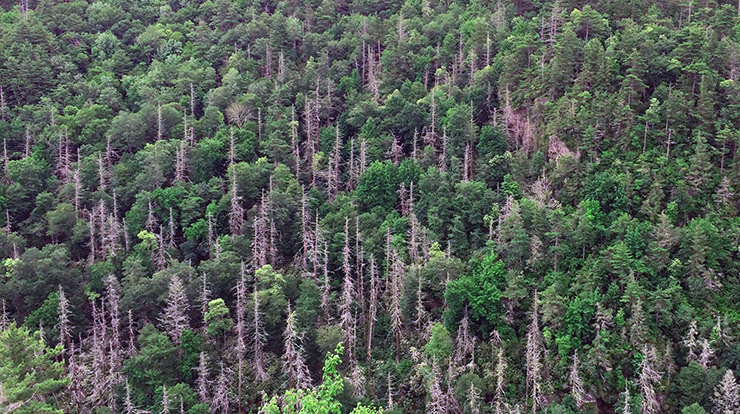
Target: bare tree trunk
499 400
236 214
99 366
326 286
420 311
5 157
534 357
281 67
2 104
360 272
204 297
112 297
310 140
131 349
171 228
258 341
175 318
65 326
27 149
306 237
372 319
202 382
92 255
220 401
398 273
241 333
294 143
347 318
180 162
77 180
293 360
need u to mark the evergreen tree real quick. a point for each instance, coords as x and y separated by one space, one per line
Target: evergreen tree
28 375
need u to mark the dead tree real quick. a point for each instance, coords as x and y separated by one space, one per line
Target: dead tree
499 400
306 236
258 340
397 275
91 245
204 297
175 318
4 317
212 236
414 227
395 152
420 311
347 318
240 329
294 143
131 348
236 213
534 351
326 287
64 325
128 404
2 104
576 384
294 363
272 251
220 402
372 81
181 161
372 316
29 144
99 375
649 378
360 272
465 343
202 383
113 299
438 398
63 157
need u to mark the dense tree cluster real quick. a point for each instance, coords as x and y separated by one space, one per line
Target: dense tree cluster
505 206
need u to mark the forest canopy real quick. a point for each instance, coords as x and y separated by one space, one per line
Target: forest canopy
485 206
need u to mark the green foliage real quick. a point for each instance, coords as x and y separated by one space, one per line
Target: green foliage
322 399
154 365
440 345
693 409
479 293
377 187
216 320
589 152
28 375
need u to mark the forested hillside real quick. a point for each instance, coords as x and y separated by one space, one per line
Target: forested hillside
492 206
